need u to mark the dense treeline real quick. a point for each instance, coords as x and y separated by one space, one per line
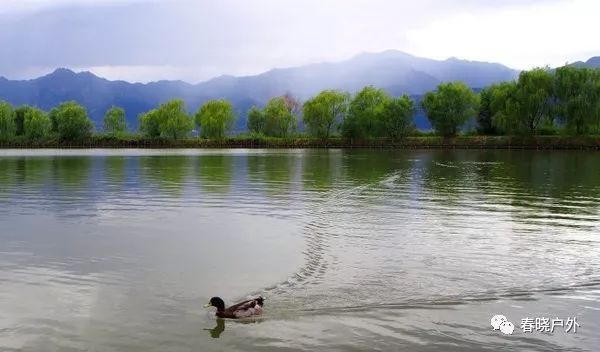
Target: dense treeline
541 101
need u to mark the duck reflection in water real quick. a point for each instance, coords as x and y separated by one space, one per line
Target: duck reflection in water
216 332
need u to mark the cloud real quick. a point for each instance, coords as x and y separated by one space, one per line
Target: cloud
547 34
25 6
195 40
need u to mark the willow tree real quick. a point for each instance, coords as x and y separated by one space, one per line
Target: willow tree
8 127
527 103
397 117
20 118
175 122
170 120
279 118
450 106
499 95
215 118
578 98
149 125
36 124
363 120
70 120
114 121
256 120
323 114
485 115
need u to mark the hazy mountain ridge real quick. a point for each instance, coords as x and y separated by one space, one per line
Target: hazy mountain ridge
395 71
593 62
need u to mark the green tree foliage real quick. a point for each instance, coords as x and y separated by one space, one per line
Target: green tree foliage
257 122
174 120
526 104
485 115
71 122
170 120
36 124
20 118
397 117
324 113
450 106
114 121
149 124
8 127
215 118
499 94
363 120
578 98
279 119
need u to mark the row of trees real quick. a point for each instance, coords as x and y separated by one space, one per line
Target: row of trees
567 97
68 121
371 113
540 98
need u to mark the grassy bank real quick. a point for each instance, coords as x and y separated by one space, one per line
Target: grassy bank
461 142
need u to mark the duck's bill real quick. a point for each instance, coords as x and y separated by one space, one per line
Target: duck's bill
206 305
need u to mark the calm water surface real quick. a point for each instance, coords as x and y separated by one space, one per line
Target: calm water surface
354 250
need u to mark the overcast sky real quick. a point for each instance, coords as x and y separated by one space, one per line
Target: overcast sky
145 40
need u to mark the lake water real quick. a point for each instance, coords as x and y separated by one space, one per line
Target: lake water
354 250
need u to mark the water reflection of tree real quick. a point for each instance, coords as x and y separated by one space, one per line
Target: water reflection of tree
8 175
321 169
367 166
279 170
548 180
71 172
536 182
31 172
446 173
25 178
114 171
255 167
215 172
68 172
273 170
168 173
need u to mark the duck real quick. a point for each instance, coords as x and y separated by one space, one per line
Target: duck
245 309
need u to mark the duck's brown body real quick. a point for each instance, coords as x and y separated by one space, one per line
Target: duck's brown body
248 308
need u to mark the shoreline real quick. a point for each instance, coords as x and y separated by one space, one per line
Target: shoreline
425 142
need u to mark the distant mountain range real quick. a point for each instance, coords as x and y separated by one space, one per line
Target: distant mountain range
593 62
394 71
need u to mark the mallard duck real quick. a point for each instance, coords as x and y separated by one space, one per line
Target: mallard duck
244 309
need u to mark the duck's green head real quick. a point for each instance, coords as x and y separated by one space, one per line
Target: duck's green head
216 302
